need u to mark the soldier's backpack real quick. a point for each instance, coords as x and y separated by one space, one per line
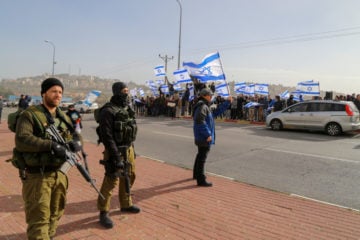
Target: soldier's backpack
12 119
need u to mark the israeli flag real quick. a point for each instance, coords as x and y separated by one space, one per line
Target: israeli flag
165 89
239 87
182 76
297 95
192 93
160 82
251 104
91 97
159 71
150 83
250 90
210 68
177 87
141 92
310 88
154 92
261 89
284 95
222 89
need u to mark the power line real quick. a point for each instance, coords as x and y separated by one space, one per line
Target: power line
287 39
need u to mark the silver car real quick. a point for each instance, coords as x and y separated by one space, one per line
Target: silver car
332 117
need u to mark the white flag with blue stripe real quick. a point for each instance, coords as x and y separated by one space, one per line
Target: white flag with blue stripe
160 82
159 71
296 94
251 104
91 97
165 89
285 94
250 90
182 76
141 92
222 89
261 89
210 68
239 88
150 83
310 88
177 87
192 93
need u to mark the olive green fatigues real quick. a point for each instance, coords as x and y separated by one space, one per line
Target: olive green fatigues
44 188
110 182
117 128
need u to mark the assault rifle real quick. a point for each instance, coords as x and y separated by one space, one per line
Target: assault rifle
125 175
72 158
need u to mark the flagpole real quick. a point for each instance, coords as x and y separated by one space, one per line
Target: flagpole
227 85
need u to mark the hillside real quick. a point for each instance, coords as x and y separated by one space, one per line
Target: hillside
77 86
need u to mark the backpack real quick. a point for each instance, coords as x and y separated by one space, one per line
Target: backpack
12 119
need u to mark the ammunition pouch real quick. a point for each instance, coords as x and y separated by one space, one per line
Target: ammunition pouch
125 131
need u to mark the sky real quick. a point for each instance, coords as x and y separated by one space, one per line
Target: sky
259 41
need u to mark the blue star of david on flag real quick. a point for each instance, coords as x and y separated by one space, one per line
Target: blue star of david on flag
159 71
310 88
210 68
182 76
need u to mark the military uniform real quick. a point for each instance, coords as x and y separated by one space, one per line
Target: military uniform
117 131
44 187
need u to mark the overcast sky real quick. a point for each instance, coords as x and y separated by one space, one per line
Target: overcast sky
260 41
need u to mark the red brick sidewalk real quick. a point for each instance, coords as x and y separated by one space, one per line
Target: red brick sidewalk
174 208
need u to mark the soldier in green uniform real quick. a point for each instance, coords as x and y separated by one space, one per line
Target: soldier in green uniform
117 130
44 186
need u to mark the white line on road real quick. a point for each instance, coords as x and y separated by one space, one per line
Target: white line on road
175 135
319 201
313 155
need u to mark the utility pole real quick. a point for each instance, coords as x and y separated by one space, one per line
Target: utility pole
166 58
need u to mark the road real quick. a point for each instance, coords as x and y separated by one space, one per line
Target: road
308 164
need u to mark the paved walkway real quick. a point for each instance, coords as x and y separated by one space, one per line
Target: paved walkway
173 207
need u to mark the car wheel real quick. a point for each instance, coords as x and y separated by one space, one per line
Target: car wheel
333 129
276 124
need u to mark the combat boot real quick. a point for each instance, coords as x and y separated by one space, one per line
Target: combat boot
105 220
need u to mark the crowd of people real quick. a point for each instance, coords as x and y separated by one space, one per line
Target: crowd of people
250 108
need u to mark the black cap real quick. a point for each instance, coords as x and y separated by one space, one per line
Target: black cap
50 82
117 87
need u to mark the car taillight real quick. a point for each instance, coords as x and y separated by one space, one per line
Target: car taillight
348 110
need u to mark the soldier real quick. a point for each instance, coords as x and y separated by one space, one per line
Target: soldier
44 186
117 130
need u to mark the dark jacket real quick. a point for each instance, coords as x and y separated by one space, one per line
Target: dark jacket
204 125
107 127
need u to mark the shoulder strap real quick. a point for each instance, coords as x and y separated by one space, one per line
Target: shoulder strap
39 116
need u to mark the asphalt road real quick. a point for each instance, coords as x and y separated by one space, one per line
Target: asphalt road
309 164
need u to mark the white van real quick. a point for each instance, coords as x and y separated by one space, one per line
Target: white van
332 117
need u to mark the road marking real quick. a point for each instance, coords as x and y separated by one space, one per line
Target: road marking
174 135
313 155
319 201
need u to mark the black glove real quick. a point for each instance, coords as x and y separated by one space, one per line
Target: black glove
75 146
58 150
